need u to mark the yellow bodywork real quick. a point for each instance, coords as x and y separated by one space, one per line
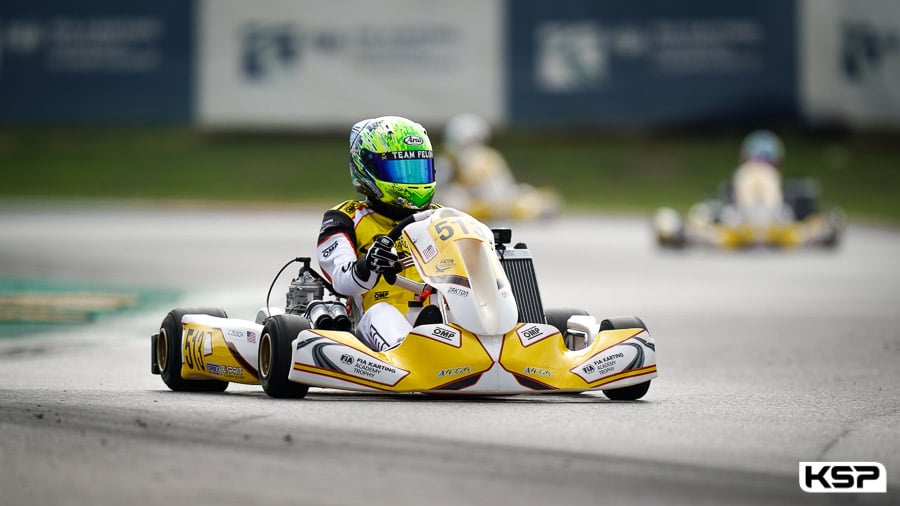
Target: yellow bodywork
446 358
779 235
208 354
550 364
784 235
437 358
421 362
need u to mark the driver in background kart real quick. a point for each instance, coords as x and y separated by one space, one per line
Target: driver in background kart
392 166
756 183
475 177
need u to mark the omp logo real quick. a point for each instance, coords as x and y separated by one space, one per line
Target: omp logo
413 140
531 332
329 250
530 335
443 333
381 295
842 477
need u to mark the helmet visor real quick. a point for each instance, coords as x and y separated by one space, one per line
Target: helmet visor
395 169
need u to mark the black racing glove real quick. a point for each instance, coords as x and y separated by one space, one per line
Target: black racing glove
380 259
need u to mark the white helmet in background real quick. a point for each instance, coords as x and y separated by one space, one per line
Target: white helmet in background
465 130
763 146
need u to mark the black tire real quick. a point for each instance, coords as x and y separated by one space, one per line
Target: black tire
668 237
276 356
168 353
836 222
634 392
802 196
559 317
677 242
622 322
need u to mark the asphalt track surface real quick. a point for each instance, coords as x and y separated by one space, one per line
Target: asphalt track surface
766 359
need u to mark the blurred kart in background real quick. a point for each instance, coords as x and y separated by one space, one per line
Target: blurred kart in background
475 178
755 208
723 221
509 202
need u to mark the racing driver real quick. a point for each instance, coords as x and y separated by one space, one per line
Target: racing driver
392 166
756 183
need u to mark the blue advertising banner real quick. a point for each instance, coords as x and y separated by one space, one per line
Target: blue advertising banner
96 61
651 63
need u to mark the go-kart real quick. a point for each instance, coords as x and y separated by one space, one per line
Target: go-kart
719 221
517 202
487 335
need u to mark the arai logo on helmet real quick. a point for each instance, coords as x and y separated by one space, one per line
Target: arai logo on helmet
413 140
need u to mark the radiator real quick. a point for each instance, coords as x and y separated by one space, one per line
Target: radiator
519 269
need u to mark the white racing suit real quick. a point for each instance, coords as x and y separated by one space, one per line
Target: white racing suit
758 197
382 311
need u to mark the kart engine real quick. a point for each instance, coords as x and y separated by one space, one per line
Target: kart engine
305 297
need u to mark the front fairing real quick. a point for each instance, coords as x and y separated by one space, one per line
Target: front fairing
445 358
455 254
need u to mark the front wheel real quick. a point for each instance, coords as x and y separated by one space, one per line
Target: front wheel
836 222
669 228
276 356
632 393
169 353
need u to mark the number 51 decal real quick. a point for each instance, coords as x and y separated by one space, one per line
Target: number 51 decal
464 228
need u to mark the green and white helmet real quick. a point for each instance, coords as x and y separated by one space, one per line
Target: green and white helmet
391 161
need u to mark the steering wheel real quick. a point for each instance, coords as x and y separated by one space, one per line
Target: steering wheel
394 235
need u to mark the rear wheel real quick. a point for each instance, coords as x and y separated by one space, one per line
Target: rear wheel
633 392
802 196
169 353
622 322
276 356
